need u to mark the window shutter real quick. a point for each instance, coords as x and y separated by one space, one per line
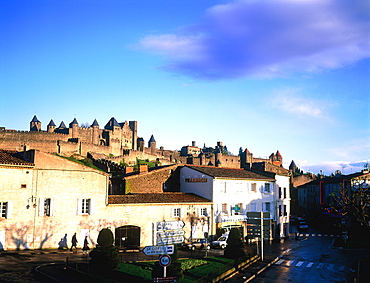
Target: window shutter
41 206
79 206
51 206
9 210
92 206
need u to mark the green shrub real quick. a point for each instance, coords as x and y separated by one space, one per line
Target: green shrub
104 257
105 237
234 248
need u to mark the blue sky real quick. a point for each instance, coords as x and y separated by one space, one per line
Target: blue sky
284 75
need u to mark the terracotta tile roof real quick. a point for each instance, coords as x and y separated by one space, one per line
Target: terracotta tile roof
12 157
156 198
230 173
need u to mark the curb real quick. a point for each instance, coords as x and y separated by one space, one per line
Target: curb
43 274
261 270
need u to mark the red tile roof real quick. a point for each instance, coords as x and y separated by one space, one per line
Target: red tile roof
229 173
156 198
13 157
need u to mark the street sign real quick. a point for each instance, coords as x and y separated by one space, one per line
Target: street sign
165 260
170 240
159 250
171 233
170 225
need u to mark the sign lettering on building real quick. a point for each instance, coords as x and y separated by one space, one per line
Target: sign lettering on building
195 180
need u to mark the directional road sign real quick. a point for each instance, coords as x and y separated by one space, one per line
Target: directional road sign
159 250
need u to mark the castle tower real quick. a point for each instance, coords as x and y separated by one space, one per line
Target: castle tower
35 124
248 159
74 126
278 158
112 125
133 127
95 132
51 126
152 145
140 144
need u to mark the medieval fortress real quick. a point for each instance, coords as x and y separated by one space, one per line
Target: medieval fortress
120 141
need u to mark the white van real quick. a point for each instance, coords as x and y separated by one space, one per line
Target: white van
221 242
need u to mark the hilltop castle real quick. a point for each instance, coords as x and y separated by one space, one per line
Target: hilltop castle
117 141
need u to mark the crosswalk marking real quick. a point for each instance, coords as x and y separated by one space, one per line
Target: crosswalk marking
320 265
313 235
310 264
299 263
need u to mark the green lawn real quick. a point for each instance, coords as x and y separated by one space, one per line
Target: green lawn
196 270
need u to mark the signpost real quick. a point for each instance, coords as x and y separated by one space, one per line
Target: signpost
159 250
165 260
259 225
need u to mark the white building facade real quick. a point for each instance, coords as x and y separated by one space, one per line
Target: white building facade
234 192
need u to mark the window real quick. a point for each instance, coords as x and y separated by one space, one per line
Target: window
254 187
223 187
267 207
279 192
176 212
253 207
85 206
267 187
3 209
285 211
224 208
284 192
280 212
203 211
45 207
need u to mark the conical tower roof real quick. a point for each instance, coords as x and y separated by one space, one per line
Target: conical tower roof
152 139
111 123
74 122
34 119
95 123
51 123
62 125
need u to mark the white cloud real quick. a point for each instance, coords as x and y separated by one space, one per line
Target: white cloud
291 101
267 38
328 168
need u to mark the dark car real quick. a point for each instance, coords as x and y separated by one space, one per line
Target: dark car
197 244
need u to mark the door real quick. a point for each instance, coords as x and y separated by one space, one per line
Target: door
127 236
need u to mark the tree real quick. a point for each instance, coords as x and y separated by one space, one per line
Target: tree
234 248
354 201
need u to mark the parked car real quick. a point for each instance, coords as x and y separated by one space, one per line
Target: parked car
302 226
221 242
197 244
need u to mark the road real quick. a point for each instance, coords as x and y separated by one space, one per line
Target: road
312 259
